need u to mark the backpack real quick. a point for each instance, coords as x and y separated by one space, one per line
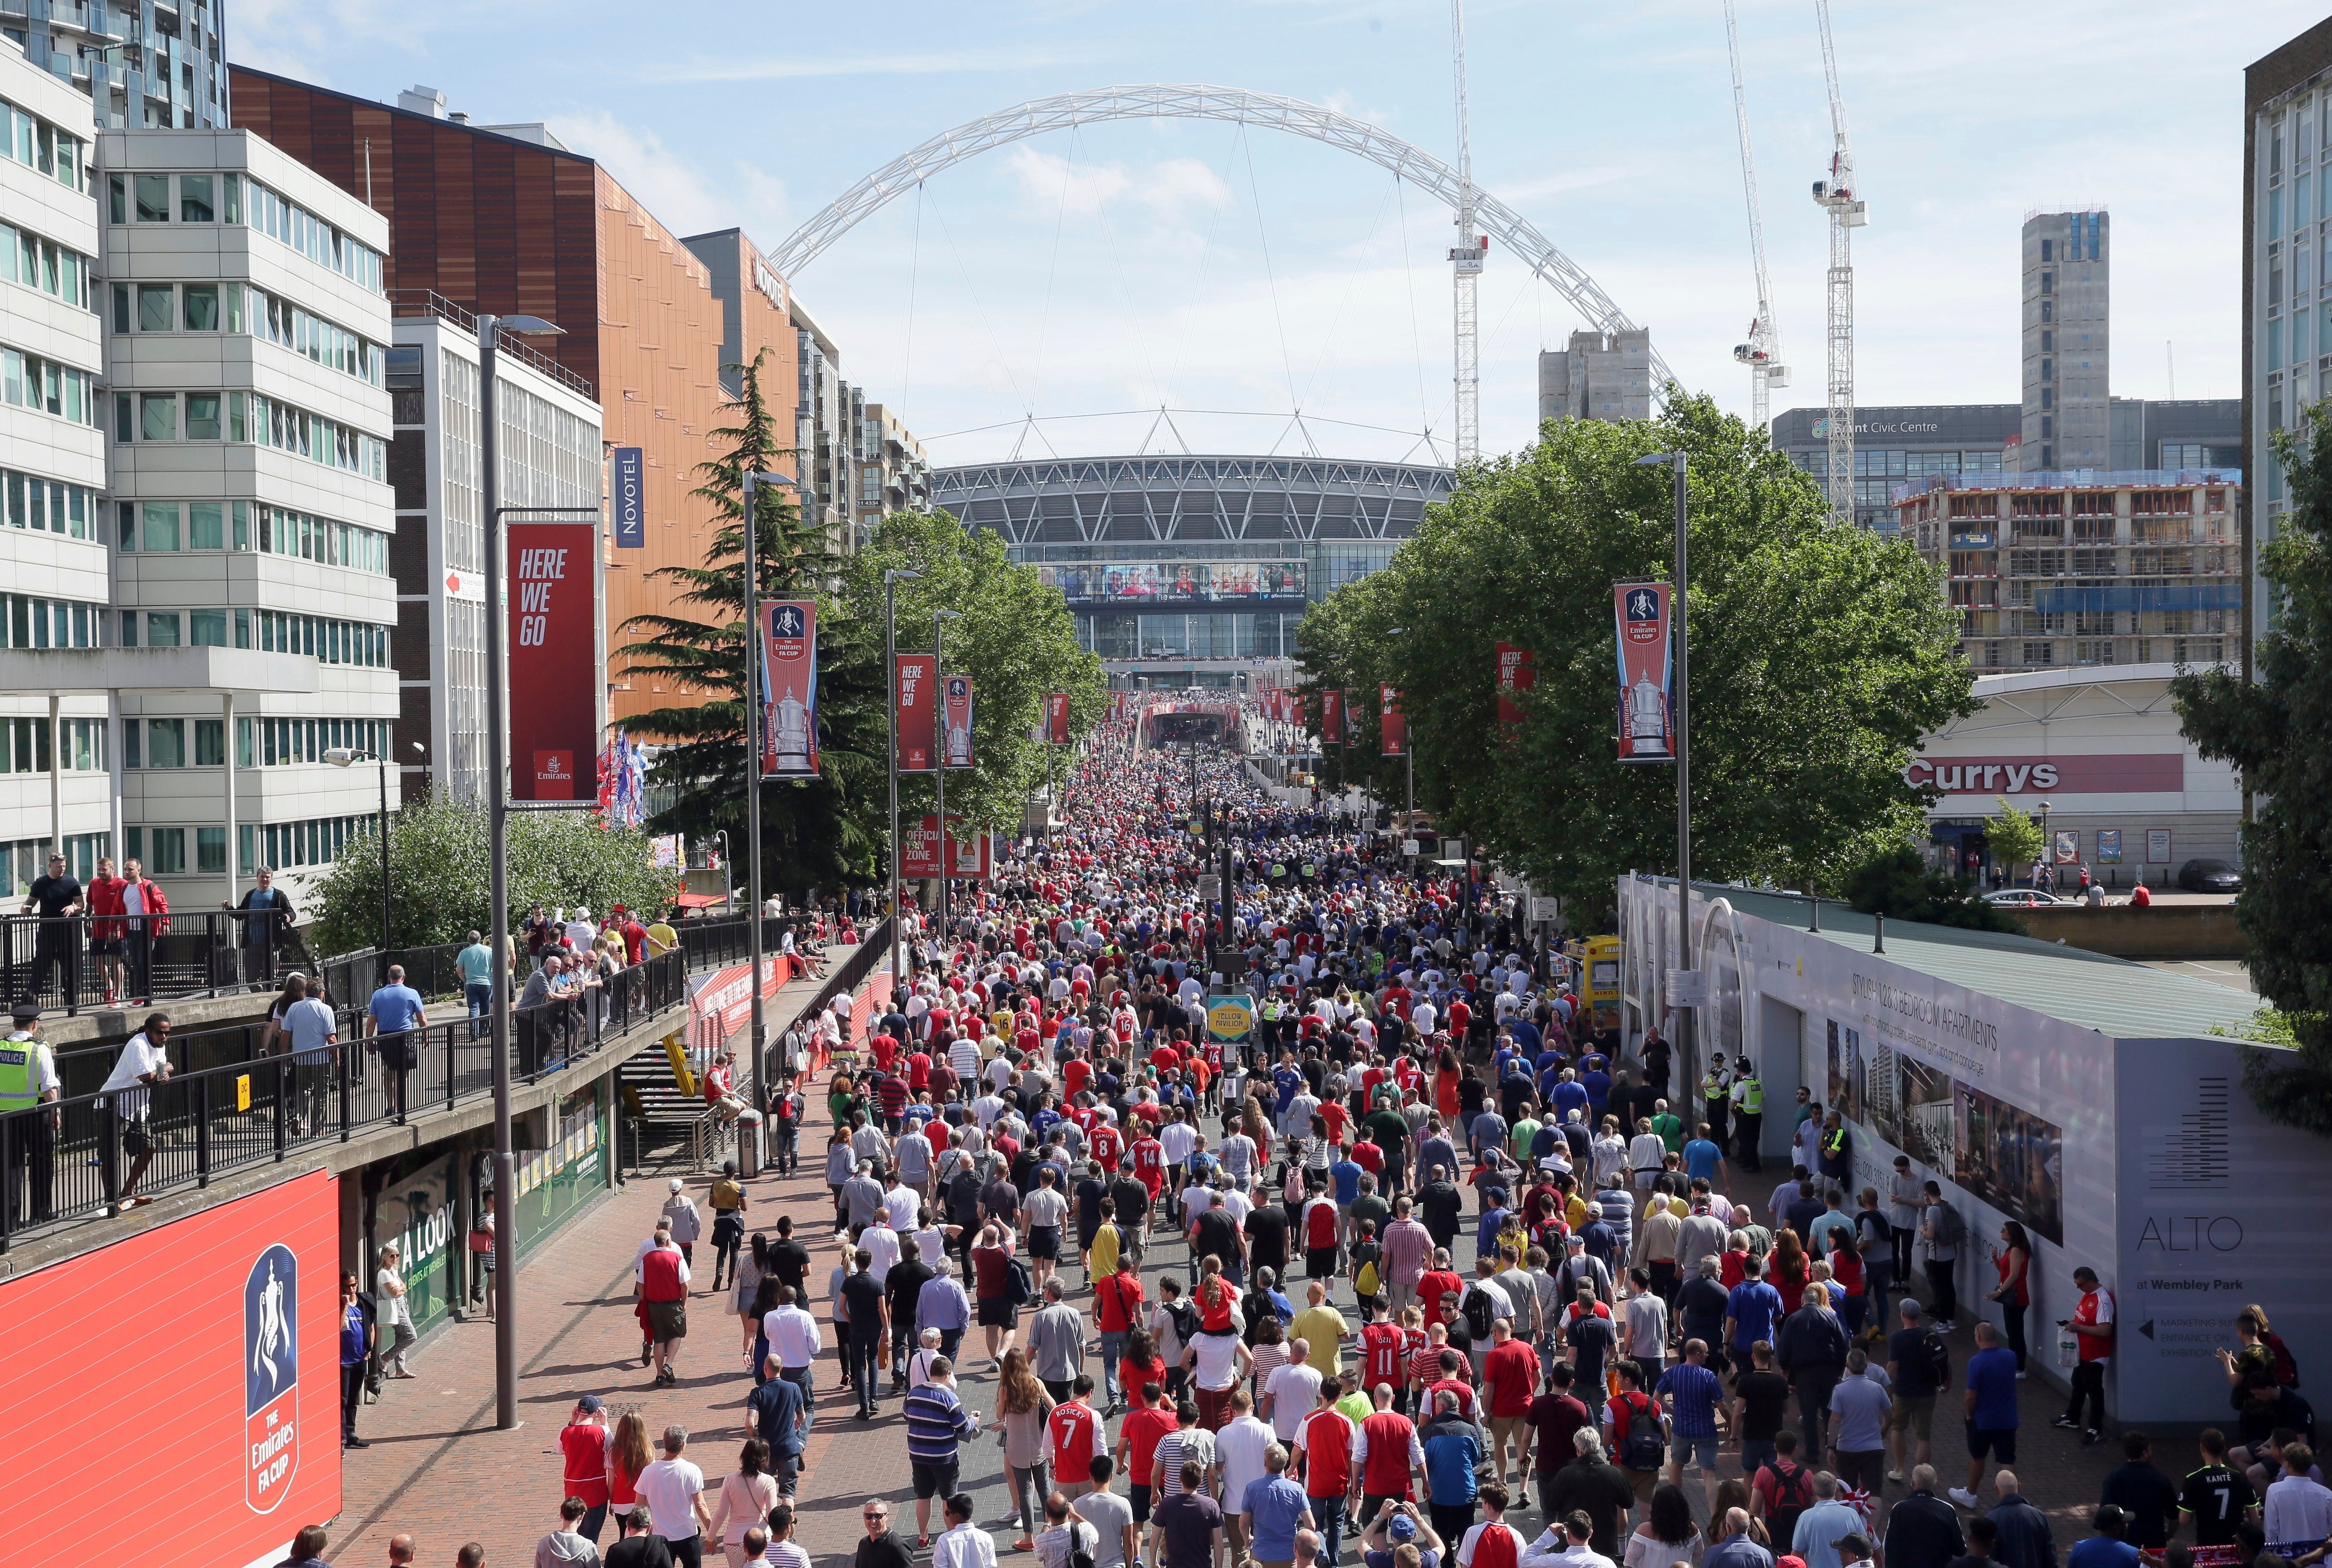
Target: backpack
1793 1494
1185 1319
1019 1286
1081 1555
1365 1280
1939 1357
1644 1444
1478 1313
1950 1228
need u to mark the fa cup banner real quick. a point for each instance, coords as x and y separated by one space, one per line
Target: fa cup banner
1392 723
1647 673
955 714
1518 671
1056 718
789 689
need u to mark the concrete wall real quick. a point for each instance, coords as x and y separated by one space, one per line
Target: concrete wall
2162 930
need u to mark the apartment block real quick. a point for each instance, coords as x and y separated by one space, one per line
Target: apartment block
549 456
502 218
1597 376
2094 568
143 64
894 474
826 434
249 508
2067 301
57 748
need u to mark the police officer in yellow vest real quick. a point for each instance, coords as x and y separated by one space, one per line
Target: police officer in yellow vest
28 1078
1748 1113
1717 1100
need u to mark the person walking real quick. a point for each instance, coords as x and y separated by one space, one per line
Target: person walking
398 1019
2025 1539
583 1445
777 1412
687 1220
937 1422
475 964
746 1499
567 1547
1991 1407
661 1278
673 1490
2092 1323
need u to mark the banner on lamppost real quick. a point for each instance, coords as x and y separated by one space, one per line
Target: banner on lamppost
914 696
1517 672
1392 723
789 689
1056 718
969 856
1646 672
1332 718
955 714
629 486
553 625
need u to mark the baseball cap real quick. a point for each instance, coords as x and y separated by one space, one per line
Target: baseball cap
1403 1528
589 1405
1854 1540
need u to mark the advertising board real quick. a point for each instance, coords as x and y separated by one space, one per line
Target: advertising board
553 668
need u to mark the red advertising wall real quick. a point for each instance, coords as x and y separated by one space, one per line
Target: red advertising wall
554 670
217 1334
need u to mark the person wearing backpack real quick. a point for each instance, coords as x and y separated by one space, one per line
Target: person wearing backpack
1920 1367
1479 1310
1943 1229
1782 1491
1636 1430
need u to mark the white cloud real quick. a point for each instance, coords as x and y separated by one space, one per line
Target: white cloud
683 196
1171 190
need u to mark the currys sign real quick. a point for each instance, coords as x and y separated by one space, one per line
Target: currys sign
271 1377
2144 773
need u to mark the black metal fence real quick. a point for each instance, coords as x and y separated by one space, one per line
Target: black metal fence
235 1098
73 963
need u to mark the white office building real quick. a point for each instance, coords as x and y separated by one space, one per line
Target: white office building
54 750
249 508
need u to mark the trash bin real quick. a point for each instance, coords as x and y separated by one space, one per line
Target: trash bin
751 1145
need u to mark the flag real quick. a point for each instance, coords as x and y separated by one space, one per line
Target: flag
1392 723
1518 671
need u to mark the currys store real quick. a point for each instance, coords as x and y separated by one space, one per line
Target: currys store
2126 794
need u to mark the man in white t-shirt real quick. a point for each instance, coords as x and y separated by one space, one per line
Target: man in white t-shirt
673 1490
1291 1392
144 1059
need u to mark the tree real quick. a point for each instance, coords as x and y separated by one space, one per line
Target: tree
1897 884
2012 835
814 831
2274 730
1820 655
438 873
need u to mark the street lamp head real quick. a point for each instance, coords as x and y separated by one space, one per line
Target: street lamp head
761 478
1658 460
947 615
342 756
903 574
419 750
530 326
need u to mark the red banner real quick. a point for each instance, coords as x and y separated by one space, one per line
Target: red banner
554 728
789 689
1646 675
1392 723
915 698
955 714
971 858
1518 671
1332 718
719 1006
1056 718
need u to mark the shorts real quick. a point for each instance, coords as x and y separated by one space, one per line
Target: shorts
2000 1440
1044 1242
997 1313
667 1321
134 1140
1913 1413
935 1480
1702 1451
396 1053
1138 1496
105 946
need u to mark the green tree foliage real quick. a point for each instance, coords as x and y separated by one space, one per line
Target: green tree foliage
814 832
1820 655
438 874
1015 639
1896 883
2274 731
2013 835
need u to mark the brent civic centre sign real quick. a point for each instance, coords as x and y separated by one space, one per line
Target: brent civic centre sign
2142 774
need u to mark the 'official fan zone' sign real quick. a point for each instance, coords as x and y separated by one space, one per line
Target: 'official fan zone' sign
1647 673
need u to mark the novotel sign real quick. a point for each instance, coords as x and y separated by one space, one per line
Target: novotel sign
2145 773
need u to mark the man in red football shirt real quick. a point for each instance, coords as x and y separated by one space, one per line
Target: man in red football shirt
1509 1373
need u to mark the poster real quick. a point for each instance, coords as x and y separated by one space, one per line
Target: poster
1646 672
1056 718
915 698
628 486
955 714
1392 732
1517 672
2157 846
2109 846
2069 845
972 854
1332 718
789 689
553 632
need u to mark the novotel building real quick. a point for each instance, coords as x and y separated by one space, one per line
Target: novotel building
2126 794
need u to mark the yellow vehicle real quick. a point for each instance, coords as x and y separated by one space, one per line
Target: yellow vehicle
1599 982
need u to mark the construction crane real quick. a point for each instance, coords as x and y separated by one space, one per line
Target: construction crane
1839 196
1466 265
1763 352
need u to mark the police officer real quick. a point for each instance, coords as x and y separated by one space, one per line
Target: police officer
1748 1113
1715 1095
28 1077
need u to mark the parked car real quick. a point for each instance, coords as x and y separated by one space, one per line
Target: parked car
2210 877
2024 898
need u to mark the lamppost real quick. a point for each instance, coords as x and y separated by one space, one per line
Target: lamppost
939 619
728 890
347 756
891 578
753 481
1675 462
489 331
2047 851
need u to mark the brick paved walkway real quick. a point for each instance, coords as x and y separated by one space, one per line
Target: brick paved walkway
439 1471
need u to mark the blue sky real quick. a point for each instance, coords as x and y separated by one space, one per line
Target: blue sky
1192 263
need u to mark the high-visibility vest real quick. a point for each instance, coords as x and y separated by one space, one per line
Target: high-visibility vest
20 1074
1753 1096
1712 1087
1833 1141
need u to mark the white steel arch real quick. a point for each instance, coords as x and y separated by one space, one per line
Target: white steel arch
1169 101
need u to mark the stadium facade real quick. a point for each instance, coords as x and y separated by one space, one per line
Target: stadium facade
1196 567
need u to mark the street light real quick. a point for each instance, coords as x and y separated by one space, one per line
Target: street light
939 618
1675 462
347 756
2048 850
489 331
728 890
891 578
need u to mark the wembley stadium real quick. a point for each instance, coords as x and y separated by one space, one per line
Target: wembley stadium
1169 562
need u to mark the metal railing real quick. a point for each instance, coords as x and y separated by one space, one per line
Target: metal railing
237 1106
74 963
430 303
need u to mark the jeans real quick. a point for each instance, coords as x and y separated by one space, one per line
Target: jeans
1814 1388
480 994
352 1383
594 1520
1903 1236
1113 1350
2012 1316
1947 1295
786 1147
1878 1272
1328 1518
865 1349
2089 1385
